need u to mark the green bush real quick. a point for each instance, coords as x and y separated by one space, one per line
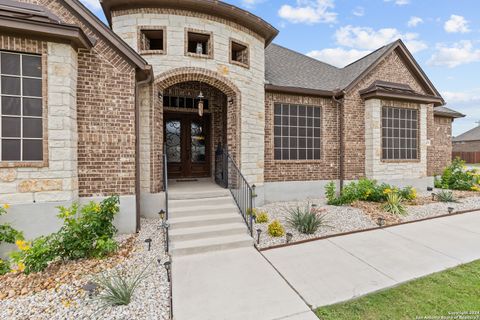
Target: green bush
85 234
457 177
446 196
394 204
275 229
262 217
305 220
4 267
365 190
7 235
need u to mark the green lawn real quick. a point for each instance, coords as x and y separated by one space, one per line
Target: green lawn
441 294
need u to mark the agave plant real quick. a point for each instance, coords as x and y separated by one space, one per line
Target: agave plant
395 205
306 220
446 196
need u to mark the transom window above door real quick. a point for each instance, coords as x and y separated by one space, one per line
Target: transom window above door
297 132
21 107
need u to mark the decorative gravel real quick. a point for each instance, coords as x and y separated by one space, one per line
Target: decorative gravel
70 301
338 219
440 208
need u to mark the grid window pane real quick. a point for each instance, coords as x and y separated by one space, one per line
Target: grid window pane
296 132
21 123
399 134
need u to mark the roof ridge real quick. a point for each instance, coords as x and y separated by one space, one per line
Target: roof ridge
373 52
306 56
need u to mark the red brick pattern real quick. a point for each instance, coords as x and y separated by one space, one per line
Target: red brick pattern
440 150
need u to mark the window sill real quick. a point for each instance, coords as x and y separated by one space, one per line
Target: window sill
197 55
402 161
24 164
152 52
317 161
240 64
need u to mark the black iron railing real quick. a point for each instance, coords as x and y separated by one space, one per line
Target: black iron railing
165 189
228 175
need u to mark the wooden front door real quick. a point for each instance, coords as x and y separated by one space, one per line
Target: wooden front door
187 139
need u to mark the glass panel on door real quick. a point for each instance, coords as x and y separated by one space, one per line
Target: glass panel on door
173 140
198 141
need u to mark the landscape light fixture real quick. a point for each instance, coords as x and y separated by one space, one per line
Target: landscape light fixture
433 196
450 210
168 266
289 237
259 232
149 241
90 287
429 189
381 222
162 214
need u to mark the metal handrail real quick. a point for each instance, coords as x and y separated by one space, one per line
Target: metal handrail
229 176
165 189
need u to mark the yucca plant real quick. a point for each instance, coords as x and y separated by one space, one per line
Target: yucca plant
306 220
446 196
395 205
117 288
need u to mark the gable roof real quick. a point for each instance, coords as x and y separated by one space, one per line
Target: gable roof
471 135
447 112
285 67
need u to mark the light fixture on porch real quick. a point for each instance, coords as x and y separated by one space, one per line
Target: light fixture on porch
200 98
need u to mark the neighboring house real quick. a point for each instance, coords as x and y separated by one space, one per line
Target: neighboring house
86 109
467 146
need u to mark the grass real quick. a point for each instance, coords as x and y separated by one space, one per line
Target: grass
440 294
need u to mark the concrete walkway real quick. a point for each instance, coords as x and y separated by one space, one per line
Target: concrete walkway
233 285
337 269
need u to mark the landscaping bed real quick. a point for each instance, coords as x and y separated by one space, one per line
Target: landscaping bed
57 292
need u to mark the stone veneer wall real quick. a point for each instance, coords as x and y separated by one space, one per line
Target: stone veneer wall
249 81
303 170
57 178
375 167
392 69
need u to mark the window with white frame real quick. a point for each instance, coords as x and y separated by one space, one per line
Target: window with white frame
400 134
297 132
21 109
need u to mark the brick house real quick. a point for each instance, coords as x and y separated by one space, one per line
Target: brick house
87 109
467 146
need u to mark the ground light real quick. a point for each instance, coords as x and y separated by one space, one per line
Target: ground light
429 189
433 196
168 266
289 237
381 222
259 232
450 210
162 214
149 241
90 287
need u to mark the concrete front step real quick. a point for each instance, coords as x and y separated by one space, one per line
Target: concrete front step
195 203
182 248
210 210
204 220
215 193
208 231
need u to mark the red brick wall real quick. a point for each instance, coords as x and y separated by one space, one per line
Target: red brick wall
467 146
440 151
106 114
286 170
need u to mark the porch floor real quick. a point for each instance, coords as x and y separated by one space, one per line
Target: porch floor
195 189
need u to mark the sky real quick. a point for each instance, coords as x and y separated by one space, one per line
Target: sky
443 35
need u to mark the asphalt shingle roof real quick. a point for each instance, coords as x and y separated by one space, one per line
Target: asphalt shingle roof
471 135
287 68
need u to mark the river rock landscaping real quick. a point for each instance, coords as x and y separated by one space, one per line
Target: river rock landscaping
57 292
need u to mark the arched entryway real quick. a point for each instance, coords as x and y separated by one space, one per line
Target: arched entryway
200 110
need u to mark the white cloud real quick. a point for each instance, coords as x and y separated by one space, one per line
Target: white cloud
338 57
92 4
399 2
414 21
309 11
459 53
359 11
251 3
370 39
456 24
472 96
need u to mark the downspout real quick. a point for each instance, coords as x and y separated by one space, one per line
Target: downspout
341 143
138 84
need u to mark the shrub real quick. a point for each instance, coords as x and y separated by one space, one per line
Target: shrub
262 217
394 204
118 288
365 190
36 255
4 267
446 196
275 229
457 177
7 235
305 220
252 211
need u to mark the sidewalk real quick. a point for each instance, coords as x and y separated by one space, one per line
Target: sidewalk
337 269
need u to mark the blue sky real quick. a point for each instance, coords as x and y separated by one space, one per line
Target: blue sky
443 35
